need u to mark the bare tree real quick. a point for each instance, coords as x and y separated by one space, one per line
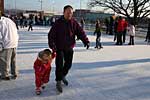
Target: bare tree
136 9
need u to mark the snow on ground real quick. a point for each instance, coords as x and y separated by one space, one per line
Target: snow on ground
113 73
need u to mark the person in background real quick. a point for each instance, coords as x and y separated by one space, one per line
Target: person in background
148 34
82 22
98 35
115 28
9 42
30 24
131 32
125 30
107 25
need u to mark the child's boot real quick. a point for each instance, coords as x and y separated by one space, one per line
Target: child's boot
38 91
44 85
59 86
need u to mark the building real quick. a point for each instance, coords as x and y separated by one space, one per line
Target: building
2 6
90 16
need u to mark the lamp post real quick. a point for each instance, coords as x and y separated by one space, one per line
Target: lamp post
41 1
15 7
53 6
80 8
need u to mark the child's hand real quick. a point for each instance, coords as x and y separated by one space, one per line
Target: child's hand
53 55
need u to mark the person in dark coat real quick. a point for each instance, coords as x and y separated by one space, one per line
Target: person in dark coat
30 24
52 20
107 25
61 39
111 25
98 35
148 34
115 28
82 22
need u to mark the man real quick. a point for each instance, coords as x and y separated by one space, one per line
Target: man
61 39
9 41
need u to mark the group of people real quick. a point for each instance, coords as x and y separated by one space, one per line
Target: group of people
23 21
61 41
121 28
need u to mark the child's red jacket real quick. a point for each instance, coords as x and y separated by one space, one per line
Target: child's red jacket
42 72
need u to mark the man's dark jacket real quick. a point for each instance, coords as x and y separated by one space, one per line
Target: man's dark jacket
62 34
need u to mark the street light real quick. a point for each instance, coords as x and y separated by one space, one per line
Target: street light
15 7
80 4
41 1
80 9
53 6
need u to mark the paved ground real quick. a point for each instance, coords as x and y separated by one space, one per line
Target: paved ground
113 73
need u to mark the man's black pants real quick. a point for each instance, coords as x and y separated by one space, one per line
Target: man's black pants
119 38
63 63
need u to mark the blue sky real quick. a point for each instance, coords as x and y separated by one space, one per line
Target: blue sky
50 5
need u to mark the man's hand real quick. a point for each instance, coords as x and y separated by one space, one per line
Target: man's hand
94 33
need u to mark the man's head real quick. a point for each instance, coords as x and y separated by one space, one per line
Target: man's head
120 17
98 21
68 12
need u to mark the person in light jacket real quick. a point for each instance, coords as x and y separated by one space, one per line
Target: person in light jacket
131 31
9 40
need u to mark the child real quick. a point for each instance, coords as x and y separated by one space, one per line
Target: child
98 33
42 67
131 31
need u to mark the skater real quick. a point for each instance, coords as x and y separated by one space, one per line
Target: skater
115 29
52 21
30 24
131 31
107 25
42 68
15 19
21 22
111 25
61 39
98 35
82 22
148 34
9 42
